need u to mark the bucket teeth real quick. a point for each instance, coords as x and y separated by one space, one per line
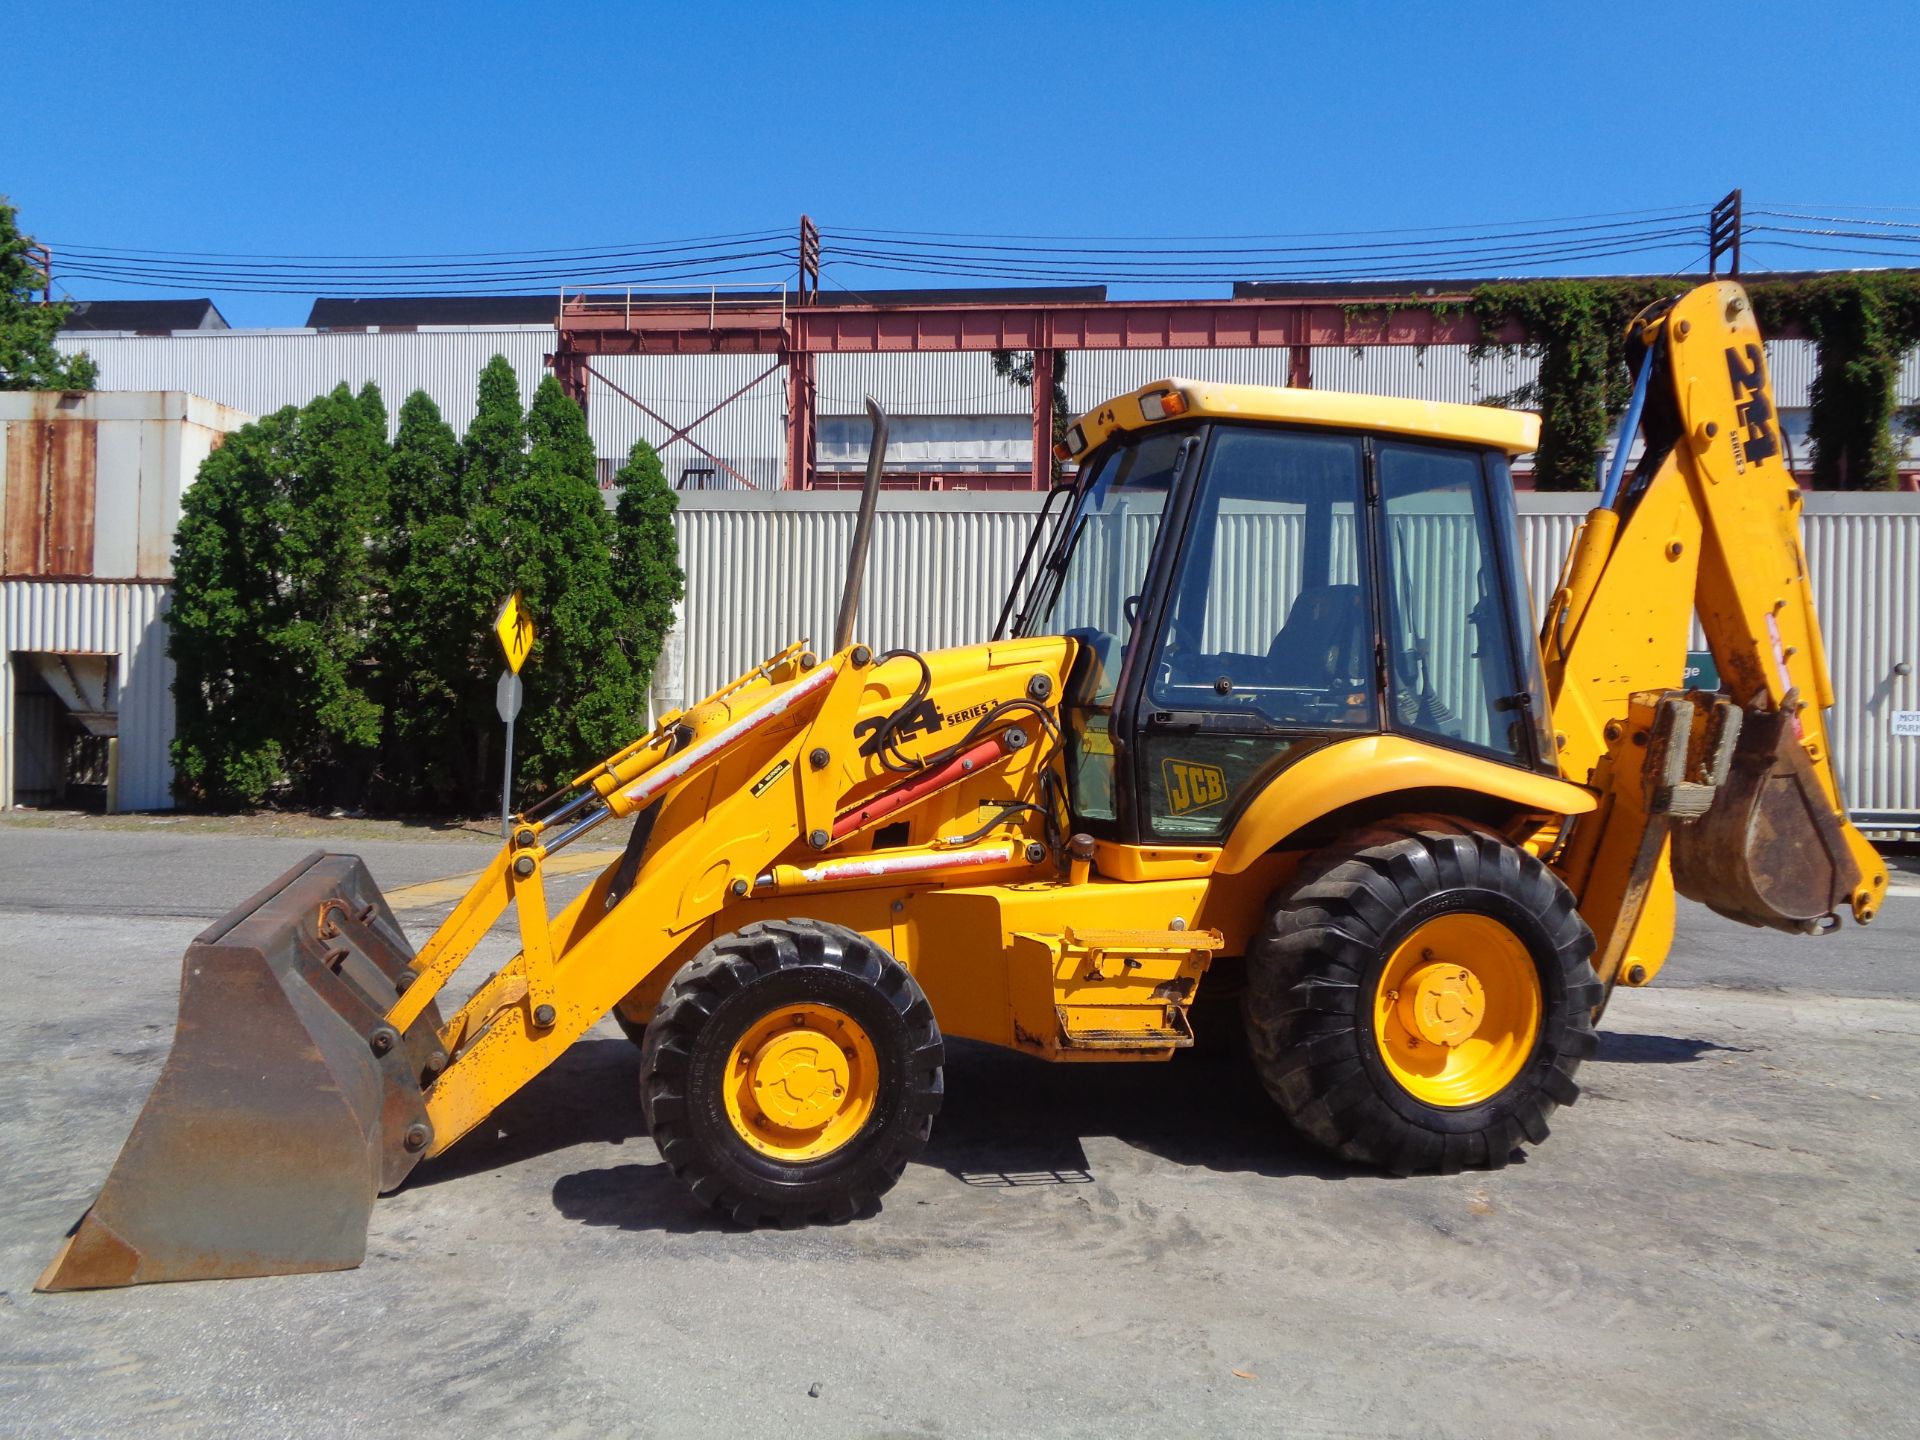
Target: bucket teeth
286 1105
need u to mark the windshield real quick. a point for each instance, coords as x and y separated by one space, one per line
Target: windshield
1098 576
1102 567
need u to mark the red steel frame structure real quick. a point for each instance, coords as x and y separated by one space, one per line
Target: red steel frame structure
795 329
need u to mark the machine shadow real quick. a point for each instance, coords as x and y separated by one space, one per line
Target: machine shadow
1617 1049
1012 1120
635 1197
590 1094
1009 1121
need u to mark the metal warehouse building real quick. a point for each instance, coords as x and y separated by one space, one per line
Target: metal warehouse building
720 419
764 563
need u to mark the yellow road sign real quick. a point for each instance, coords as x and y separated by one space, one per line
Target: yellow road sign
514 626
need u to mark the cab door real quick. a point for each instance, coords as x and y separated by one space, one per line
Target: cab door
1266 629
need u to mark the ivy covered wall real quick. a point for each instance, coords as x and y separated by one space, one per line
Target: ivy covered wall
1862 324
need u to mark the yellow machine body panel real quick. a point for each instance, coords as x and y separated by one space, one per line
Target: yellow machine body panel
1370 766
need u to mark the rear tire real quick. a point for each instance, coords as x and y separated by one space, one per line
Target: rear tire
791 1071
1421 997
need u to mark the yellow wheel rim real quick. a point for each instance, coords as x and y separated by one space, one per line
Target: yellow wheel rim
801 1082
1457 1011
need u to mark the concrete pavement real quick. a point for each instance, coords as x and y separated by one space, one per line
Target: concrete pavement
1721 1238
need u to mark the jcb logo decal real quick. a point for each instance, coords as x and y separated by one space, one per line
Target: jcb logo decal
1192 786
1756 439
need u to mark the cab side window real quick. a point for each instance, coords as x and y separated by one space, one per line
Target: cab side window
1452 671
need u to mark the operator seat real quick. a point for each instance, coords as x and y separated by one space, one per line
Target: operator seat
1323 639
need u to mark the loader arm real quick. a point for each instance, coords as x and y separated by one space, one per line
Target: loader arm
770 788
1734 797
805 775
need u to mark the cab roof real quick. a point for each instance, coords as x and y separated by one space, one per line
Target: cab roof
1510 430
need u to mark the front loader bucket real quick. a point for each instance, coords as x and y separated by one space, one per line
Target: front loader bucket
286 1105
1770 850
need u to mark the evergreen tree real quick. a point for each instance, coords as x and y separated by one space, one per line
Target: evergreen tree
28 360
494 452
583 697
433 639
335 599
271 624
423 475
646 557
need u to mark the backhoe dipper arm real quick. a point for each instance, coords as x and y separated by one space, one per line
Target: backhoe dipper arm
1708 523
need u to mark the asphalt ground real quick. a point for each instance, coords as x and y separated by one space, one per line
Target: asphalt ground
1720 1239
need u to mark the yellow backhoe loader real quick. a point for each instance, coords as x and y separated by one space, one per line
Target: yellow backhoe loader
1265 710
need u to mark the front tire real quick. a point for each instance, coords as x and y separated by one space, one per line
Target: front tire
790 1072
1421 997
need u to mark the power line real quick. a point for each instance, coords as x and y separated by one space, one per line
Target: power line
692 242
1670 212
1411 245
1652 236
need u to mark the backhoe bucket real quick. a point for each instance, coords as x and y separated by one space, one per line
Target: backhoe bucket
1770 850
286 1105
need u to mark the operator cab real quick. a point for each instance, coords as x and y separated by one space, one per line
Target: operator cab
1253 574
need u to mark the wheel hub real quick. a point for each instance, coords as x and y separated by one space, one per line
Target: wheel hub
801 1082
1458 1010
798 1077
1443 1003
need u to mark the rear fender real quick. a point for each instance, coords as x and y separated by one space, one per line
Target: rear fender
1370 767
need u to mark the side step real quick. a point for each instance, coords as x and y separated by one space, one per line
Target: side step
1123 991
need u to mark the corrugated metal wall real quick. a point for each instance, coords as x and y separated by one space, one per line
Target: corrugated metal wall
122 619
1412 372
760 575
762 571
1866 576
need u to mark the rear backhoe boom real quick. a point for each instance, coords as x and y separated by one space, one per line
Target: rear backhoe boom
1275 721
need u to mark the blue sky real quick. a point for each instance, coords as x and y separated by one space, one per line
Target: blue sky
408 129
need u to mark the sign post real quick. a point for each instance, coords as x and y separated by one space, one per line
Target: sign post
514 626
506 699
